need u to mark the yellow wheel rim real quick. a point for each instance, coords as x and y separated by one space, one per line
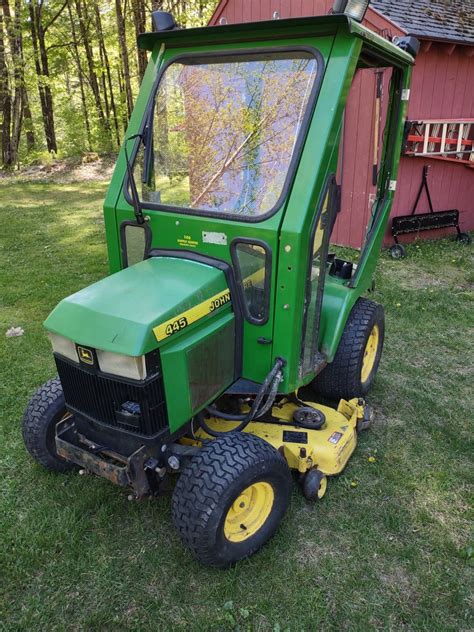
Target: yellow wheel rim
249 512
370 353
323 485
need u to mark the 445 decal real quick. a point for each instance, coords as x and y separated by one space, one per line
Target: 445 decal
176 325
190 316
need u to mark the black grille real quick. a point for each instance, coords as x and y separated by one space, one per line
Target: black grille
100 397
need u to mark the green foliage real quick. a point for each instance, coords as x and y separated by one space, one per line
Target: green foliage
68 68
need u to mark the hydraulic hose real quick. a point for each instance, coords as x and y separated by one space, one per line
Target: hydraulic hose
269 385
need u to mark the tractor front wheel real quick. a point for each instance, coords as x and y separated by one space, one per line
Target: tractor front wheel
45 409
355 364
230 498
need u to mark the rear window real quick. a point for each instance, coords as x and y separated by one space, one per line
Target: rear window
224 132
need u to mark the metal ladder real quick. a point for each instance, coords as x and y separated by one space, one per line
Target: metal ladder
443 139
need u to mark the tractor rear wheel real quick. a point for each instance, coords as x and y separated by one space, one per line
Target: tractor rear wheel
355 364
230 498
45 409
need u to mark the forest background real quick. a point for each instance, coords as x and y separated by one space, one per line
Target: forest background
70 70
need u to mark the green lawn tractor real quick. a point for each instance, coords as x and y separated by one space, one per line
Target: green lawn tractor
223 299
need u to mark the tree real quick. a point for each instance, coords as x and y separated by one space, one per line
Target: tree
104 57
5 96
38 28
93 82
139 21
122 40
20 108
80 74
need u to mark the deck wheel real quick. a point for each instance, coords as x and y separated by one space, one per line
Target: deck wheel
315 484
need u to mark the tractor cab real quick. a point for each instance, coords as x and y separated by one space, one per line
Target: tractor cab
223 299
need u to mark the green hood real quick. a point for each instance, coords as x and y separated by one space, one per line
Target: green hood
119 312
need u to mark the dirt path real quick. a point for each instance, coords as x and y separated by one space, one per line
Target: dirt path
92 167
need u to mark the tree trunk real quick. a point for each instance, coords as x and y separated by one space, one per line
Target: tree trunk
80 74
94 84
139 20
106 63
42 72
122 37
13 29
5 99
28 119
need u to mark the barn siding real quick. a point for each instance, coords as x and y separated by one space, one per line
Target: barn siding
442 87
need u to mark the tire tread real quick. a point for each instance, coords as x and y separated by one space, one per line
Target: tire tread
341 378
204 480
47 398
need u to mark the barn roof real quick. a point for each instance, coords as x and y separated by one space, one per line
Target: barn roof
451 20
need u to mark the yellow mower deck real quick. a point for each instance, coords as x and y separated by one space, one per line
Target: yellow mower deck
327 449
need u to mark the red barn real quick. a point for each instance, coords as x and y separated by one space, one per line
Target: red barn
441 107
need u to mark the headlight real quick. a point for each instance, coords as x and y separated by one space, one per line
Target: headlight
118 364
64 347
122 365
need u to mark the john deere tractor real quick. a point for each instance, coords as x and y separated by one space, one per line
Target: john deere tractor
223 299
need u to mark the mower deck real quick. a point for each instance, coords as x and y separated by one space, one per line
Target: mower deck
328 449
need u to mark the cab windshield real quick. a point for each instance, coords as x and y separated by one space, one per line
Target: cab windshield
224 132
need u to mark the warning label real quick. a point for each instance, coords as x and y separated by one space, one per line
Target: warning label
335 437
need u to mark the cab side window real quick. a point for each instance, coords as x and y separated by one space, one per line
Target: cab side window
252 265
135 242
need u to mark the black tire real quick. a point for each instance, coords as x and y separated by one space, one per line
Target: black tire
209 487
314 484
44 410
342 378
464 238
397 251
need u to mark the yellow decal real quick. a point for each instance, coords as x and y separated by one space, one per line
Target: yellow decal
85 355
183 320
186 241
190 316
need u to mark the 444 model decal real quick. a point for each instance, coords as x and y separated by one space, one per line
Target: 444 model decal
191 315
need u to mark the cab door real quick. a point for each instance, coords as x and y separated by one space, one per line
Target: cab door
311 358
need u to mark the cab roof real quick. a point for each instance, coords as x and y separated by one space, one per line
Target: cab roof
271 30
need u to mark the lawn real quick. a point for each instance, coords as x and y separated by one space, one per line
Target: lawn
388 548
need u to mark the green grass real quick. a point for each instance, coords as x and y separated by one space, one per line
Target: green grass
390 553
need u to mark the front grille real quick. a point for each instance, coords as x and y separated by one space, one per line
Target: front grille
100 397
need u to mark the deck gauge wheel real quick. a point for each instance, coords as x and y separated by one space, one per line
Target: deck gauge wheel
367 420
314 484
